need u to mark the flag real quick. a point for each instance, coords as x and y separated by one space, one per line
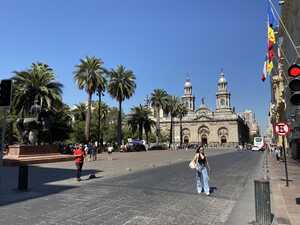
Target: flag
269 67
279 54
264 73
271 35
270 52
271 18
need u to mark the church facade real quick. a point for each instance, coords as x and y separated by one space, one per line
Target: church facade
222 127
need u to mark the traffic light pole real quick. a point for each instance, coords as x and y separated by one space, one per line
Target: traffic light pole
285 162
3 135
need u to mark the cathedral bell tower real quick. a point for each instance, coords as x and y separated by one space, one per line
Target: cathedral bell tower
223 95
188 99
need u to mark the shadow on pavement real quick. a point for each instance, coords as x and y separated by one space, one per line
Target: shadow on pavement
39 182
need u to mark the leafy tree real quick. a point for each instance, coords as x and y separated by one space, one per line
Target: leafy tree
36 84
89 75
61 125
181 112
172 109
79 112
158 101
139 120
121 86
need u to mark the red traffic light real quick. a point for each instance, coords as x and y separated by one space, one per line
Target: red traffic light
294 70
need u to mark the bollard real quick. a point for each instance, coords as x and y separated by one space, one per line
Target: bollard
23 178
262 202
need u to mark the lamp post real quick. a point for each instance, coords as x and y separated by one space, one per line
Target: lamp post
99 93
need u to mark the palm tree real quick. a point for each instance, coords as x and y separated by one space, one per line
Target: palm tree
158 100
121 86
181 112
102 110
90 75
139 120
148 124
172 109
36 84
80 111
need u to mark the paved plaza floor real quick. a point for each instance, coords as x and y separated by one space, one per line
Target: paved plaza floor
154 188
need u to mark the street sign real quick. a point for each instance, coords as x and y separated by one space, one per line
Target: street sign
282 129
294 70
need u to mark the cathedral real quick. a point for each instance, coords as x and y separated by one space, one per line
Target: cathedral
222 127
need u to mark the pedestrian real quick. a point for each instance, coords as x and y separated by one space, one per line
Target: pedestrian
94 152
109 151
79 154
202 169
277 154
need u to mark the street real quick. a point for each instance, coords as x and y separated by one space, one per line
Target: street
162 195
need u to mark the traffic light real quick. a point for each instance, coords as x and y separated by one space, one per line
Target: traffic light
5 92
294 84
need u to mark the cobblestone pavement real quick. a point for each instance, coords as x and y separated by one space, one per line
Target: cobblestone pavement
157 196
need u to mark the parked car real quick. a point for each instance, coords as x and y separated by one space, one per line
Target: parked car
158 147
135 146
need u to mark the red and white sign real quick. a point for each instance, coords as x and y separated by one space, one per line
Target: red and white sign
282 129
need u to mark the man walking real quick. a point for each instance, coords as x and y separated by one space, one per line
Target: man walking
79 154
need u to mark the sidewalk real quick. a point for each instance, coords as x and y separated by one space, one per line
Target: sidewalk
284 199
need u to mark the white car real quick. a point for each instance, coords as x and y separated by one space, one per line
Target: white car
255 148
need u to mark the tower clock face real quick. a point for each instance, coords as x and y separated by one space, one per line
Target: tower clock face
222 102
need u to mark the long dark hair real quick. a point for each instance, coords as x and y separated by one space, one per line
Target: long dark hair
199 149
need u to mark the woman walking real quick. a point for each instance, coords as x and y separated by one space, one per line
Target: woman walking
201 171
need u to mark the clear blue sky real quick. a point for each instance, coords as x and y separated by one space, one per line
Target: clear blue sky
160 40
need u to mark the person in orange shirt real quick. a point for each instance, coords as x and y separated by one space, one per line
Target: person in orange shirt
79 154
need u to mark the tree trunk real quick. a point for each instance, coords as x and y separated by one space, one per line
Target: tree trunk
147 137
180 131
88 120
99 121
171 132
157 126
140 131
119 135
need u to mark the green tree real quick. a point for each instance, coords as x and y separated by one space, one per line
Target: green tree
158 101
99 118
172 109
139 120
89 75
36 84
181 112
79 112
121 86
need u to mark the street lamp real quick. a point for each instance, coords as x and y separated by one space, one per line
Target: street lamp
99 93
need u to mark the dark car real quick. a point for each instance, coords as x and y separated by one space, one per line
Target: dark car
159 147
135 146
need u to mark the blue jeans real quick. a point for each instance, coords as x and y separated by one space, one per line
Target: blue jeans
202 179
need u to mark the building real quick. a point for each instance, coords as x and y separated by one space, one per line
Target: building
204 126
281 109
249 117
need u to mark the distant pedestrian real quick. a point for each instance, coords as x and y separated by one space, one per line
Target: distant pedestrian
202 169
94 152
277 154
79 154
110 149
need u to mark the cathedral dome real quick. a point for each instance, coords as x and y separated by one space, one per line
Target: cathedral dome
188 84
222 78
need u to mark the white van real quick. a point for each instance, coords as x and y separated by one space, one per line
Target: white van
258 144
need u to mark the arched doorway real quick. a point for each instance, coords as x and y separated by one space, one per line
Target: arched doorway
223 140
185 139
204 139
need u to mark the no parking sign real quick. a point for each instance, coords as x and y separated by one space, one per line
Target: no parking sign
282 129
